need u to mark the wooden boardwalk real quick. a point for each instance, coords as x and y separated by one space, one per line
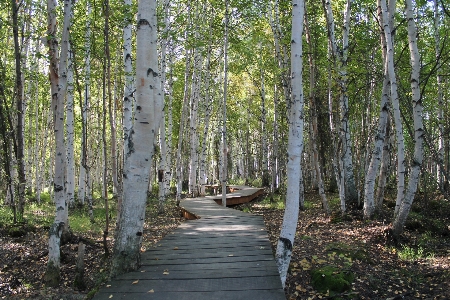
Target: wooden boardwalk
225 254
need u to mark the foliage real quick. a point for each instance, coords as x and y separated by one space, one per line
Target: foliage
331 279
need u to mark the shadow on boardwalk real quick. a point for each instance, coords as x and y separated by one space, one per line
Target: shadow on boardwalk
225 254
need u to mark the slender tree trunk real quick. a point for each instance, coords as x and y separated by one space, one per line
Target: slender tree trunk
313 108
111 104
395 106
20 114
295 145
184 111
84 105
126 256
70 134
400 218
58 78
208 111
224 111
340 57
440 93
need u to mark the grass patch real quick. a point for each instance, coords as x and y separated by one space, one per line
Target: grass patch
277 202
410 254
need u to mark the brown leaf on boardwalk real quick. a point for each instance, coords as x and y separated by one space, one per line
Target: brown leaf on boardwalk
135 282
151 291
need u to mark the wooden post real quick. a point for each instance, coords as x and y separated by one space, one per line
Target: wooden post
79 268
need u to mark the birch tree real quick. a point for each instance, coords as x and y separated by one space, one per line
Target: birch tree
295 145
83 181
138 159
395 105
403 211
20 106
224 109
340 57
379 139
70 133
58 79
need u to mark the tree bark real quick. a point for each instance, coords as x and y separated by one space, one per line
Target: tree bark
400 218
126 256
295 145
58 78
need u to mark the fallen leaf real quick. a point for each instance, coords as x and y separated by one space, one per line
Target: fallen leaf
231 255
176 248
166 273
110 296
151 291
108 285
135 282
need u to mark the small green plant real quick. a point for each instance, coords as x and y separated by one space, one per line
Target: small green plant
246 209
410 254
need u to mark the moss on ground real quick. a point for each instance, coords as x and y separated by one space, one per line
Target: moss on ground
331 279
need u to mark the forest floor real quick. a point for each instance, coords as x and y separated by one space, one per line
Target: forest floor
417 267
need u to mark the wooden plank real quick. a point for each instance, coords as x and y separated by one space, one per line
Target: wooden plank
223 295
197 285
189 274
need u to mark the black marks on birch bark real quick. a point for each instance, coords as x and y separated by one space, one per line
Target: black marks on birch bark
143 22
151 72
287 243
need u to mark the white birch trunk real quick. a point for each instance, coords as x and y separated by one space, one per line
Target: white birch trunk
340 61
163 166
295 145
84 170
224 110
395 105
184 111
440 94
208 111
128 97
405 206
128 241
70 134
193 123
58 76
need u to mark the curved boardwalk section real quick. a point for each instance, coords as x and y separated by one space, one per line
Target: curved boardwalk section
225 254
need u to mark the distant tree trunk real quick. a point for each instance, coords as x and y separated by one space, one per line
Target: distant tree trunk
274 161
193 121
58 78
70 134
208 111
128 241
314 129
224 111
295 145
264 149
112 124
84 104
111 104
20 113
400 218
440 94
163 164
184 112
340 57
